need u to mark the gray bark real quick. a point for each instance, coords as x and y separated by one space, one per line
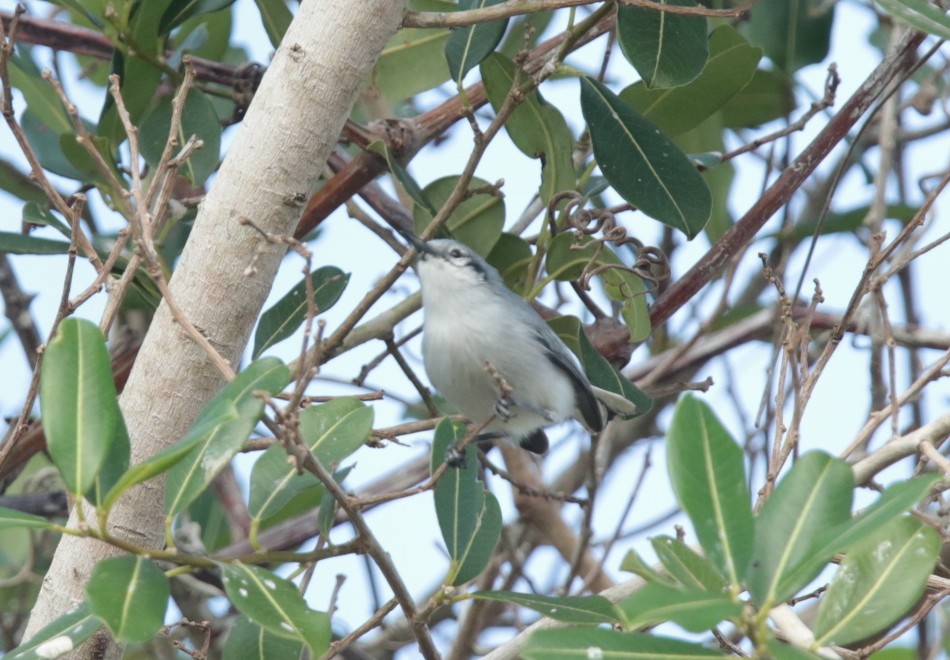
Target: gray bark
276 158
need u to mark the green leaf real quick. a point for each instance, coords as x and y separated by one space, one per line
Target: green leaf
40 96
586 643
692 609
633 563
878 581
275 604
190 476
179 11
64 634
893 502
36 214
130 594
599 371
276 17
119 452
80 408
511 256
642 164
793 33
566 258
198 118
165 459
469 516
411 186
249 641
470 45
289 313
414 59
477 221
17 243
815 495
780 651
14 518
767 97
690 569
666 49
585 610
537 128
920 15
45 142
708 477
675 110
332 431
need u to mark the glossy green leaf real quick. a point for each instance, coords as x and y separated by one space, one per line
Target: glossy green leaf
629 290
276 17
585 610
878 581
17 243
467 46
414 59
275 604
289 313
708 476
179 11
536 127
469 516
920 15
167 458
332 431
37 214
633 563
40 96
767 97
793 33
598 370
585 643
690 569
512 257
190 476
14 518
64 634
249 641
409 184
198 118
45 143
80 408
477 221
567 259
694 610
666 49
815 495
642 164
892 503
130 594
732 64
114 468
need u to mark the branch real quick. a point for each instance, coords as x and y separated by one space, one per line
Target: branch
456 19
899 63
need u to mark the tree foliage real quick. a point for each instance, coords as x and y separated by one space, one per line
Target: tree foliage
677 115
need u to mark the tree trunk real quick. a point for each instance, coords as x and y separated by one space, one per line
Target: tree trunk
273 165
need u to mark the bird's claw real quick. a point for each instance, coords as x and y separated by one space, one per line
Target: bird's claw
503 408
455 457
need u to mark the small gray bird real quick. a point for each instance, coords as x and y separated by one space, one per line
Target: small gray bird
472 318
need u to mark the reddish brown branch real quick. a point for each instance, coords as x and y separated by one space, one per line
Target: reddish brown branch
899 64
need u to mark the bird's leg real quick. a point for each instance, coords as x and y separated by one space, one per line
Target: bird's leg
503 408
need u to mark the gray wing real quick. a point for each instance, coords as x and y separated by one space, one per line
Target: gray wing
584 398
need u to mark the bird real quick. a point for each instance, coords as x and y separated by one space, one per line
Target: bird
473 324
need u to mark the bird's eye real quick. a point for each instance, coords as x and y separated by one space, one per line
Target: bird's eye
455 253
